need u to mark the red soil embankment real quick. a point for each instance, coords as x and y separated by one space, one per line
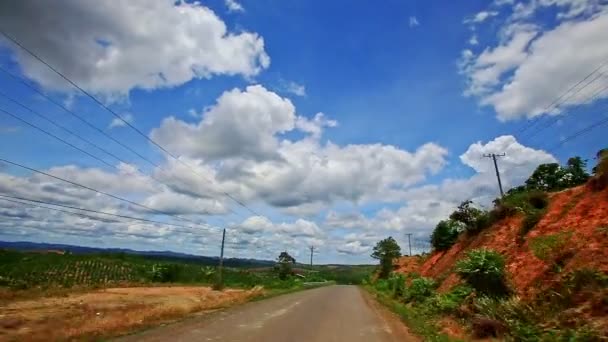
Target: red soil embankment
578 210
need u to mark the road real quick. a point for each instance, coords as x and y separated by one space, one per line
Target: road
332 313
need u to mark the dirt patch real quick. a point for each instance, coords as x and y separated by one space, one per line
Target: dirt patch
108 312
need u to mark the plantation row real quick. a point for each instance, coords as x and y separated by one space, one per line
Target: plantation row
21 270
24 270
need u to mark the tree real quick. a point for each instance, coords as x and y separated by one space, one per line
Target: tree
466 214
577 168
284 263
445 234
546 177
385 251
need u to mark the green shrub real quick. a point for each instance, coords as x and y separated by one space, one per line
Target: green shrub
451 301
538 199
382 285
548 247
484 270
529 222
519 317
396 284
445 234
166 273
420 289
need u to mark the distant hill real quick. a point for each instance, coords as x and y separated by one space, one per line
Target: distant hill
161 255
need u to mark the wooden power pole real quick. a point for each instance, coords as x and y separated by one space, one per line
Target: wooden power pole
312 250
220 276
493 156
409 241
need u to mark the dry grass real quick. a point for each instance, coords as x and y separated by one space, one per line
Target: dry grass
108 312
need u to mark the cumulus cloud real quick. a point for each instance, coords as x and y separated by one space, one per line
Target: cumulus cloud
241 123
109 48
244 130
512 76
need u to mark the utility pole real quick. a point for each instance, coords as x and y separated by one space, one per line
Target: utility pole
409 241
493 156
312 250
220 278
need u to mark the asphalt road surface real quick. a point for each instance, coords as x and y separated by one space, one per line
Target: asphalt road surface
332 313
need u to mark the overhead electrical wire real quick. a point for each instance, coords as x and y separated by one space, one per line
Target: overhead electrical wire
74 134
118 116
98 191
13 198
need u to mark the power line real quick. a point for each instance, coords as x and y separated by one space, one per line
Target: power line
65 129
556 119
13 198
118 116
75 134
55 137
553 103
97 191
579 133
78 116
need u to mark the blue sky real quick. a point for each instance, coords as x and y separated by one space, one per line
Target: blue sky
339 122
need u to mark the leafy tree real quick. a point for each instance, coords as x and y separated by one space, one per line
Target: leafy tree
385 251
445 234
577 168
546 177
466 214
602 159
284 265
551 177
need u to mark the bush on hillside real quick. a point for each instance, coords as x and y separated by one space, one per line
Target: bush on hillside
396 284
529 222
484 270
450 302
420 289
445 234
549 247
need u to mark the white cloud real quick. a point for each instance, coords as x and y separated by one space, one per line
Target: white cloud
473 40
481 17
116 122
109 48
242 123
234 6
295 88
532 64
413 22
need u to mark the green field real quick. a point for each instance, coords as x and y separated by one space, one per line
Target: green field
25 270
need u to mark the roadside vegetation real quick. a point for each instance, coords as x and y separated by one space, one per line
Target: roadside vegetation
480 301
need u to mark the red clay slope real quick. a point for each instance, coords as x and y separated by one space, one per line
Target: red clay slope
578 210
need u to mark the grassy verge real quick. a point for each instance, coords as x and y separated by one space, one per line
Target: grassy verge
420 323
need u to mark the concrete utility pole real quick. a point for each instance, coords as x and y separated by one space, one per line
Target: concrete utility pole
409 241
220 276
312 250
493 156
